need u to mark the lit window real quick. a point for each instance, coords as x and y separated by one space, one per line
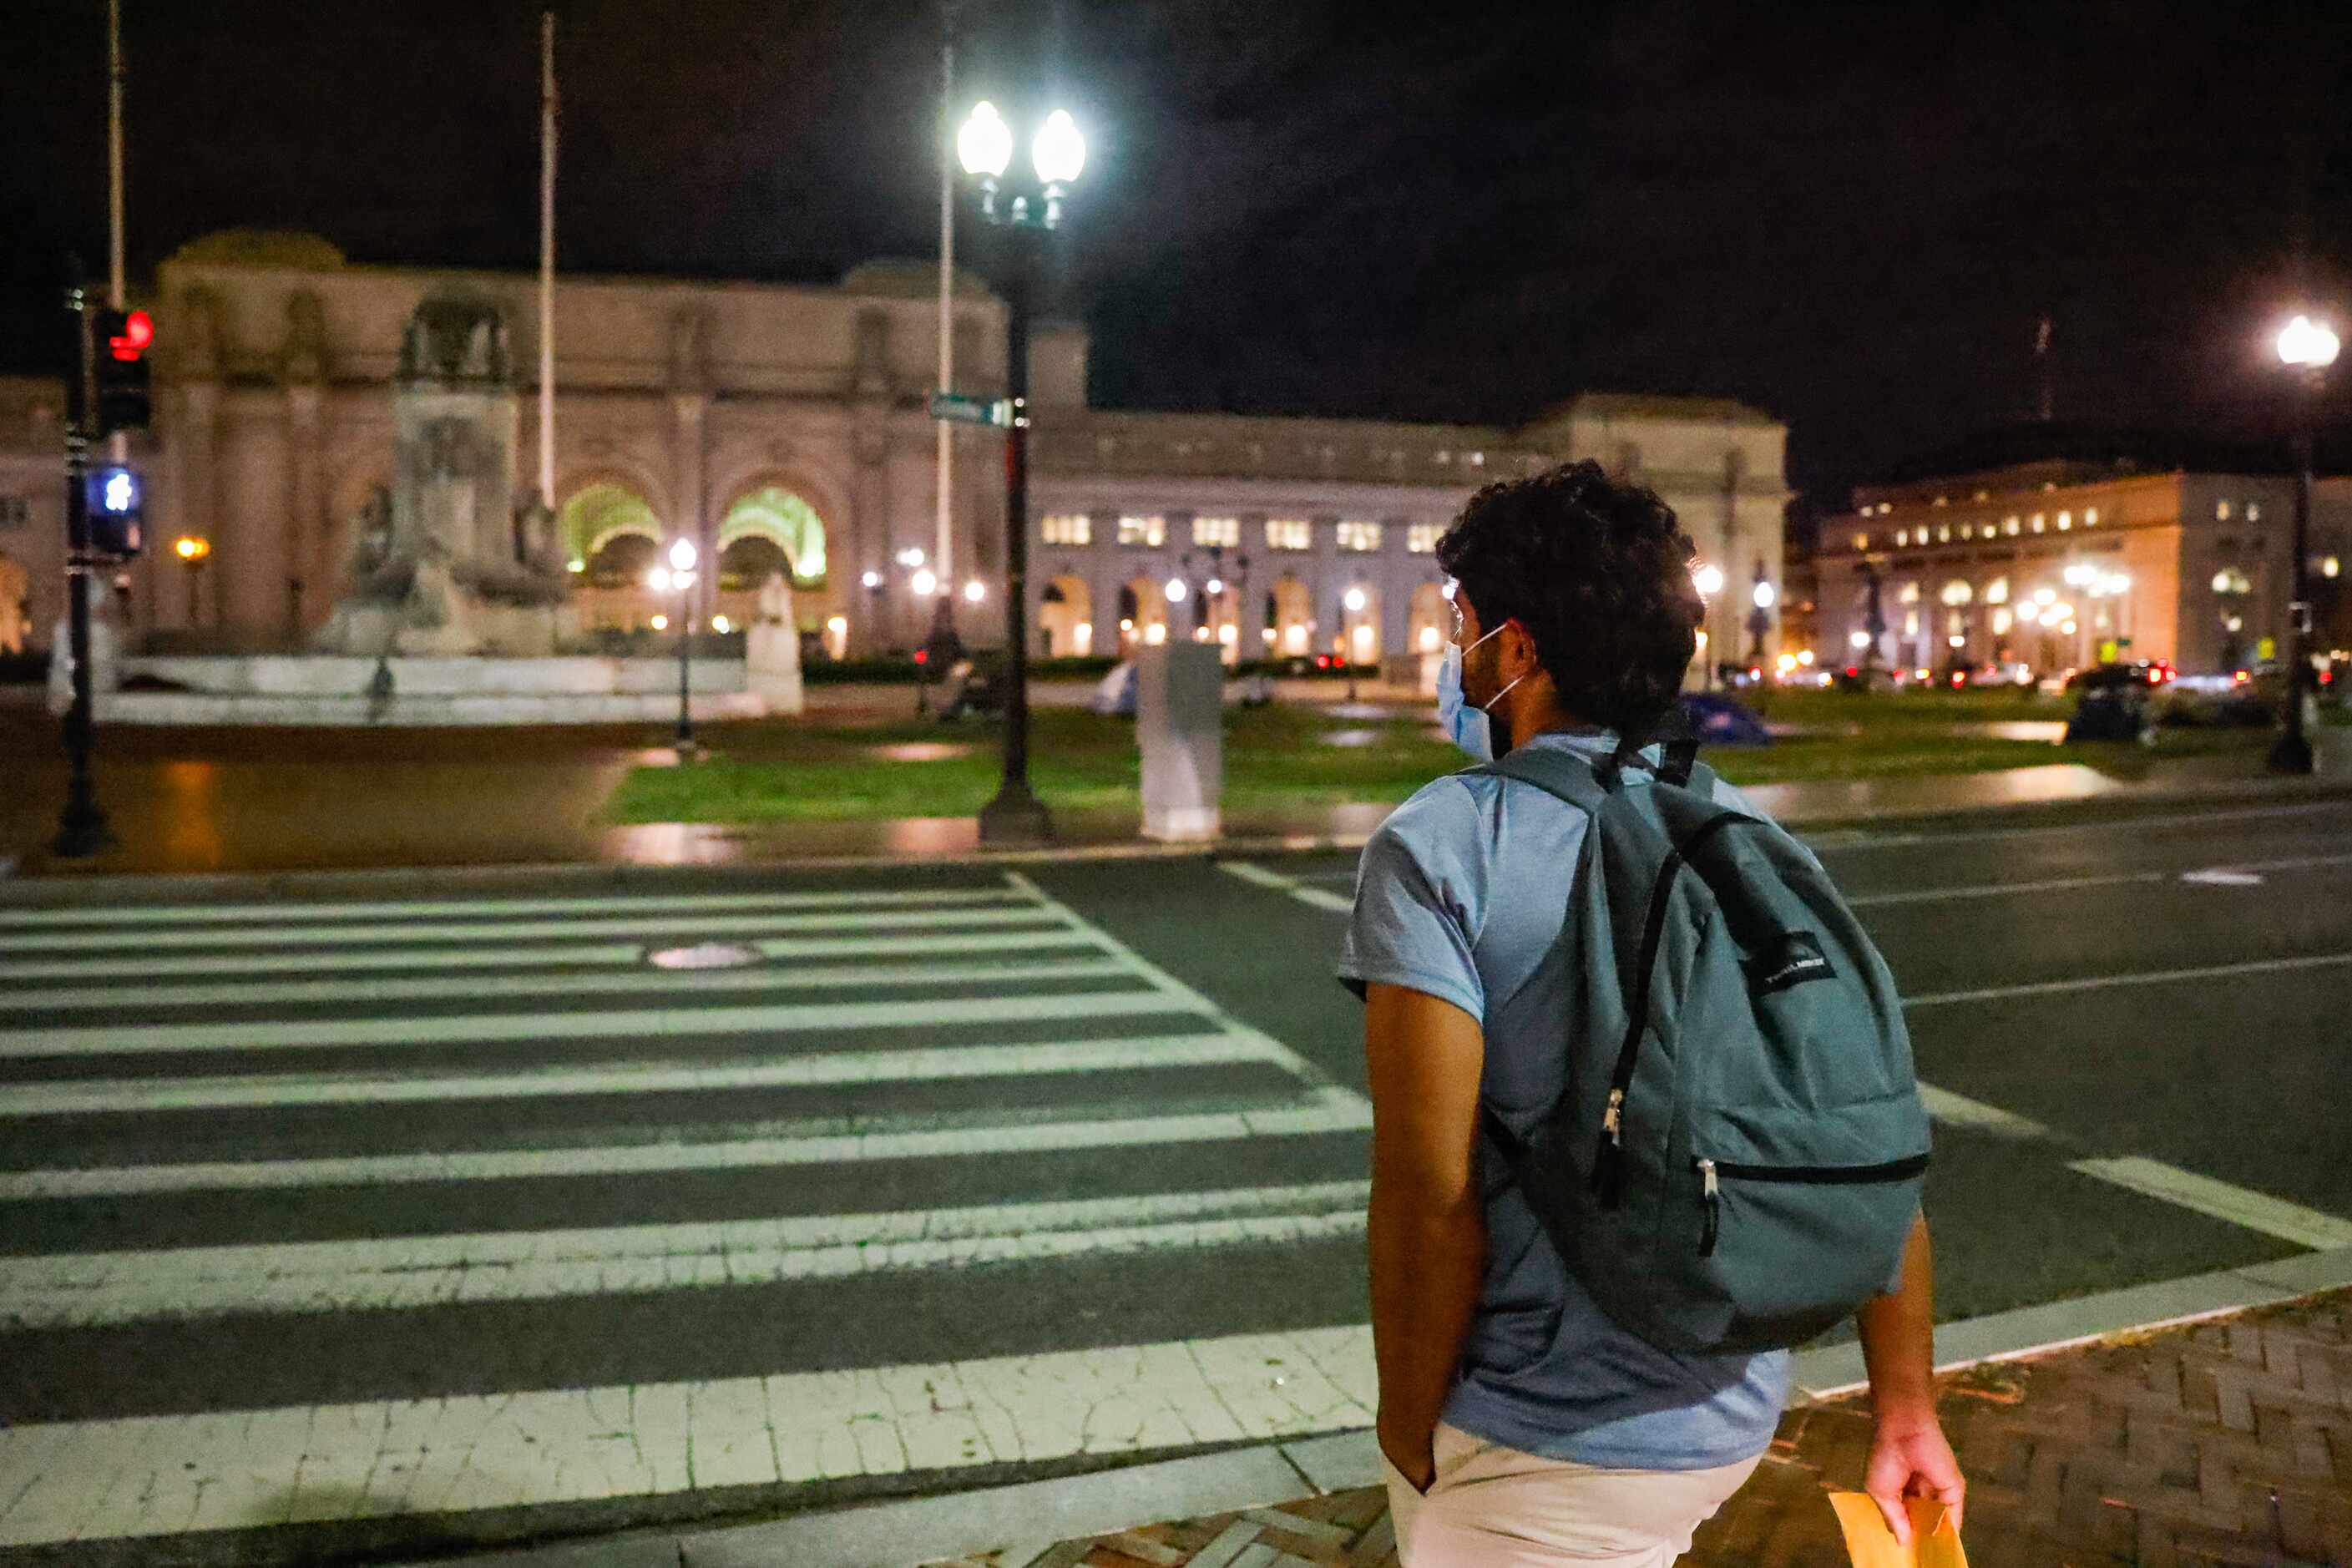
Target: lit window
1861 541
1943 533
2041 524
2331 567
2009 525
1943 500
2253 512
2231 581
1145 533
1215 531
1958 594
1361 538
2220 511
2002 622
1290 533
1067 528
2065 521
1902 536
2091 515
1967 531
1997 591
1910 623
1909 594
1421 538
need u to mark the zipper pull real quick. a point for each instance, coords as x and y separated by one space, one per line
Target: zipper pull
1609 1159
1714 1197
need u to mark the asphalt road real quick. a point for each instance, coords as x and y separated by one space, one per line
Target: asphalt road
364 1227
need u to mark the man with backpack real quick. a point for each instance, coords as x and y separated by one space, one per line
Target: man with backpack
1644 1110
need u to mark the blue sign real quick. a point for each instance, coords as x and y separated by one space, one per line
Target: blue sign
117 492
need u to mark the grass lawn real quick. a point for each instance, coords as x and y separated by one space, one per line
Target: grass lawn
1289 756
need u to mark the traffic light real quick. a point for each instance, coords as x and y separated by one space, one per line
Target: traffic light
123 337
118 510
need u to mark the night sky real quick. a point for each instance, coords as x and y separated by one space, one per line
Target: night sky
1853 215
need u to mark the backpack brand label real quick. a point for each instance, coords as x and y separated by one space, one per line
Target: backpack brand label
1797 959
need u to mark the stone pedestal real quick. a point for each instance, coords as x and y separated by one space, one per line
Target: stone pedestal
771 652
1180 728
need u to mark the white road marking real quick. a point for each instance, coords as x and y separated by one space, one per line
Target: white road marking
2002 889
672 982
2223 877
2222 1200
1959 1110
90 1289
2126 823
242 1468
540 1029
1152 974
2109 981
420 932
1259 875
533 955
1326 1110
119 1096
303 912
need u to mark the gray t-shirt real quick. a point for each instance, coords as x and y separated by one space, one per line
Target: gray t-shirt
1462 895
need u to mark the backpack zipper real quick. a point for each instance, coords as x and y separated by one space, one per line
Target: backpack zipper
1711 1192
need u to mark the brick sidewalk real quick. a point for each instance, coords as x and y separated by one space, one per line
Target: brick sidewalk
2227 1443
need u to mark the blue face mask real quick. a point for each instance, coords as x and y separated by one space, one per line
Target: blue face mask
1469 727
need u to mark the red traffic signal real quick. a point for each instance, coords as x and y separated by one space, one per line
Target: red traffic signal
128 333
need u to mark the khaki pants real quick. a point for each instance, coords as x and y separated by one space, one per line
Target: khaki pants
1492 1507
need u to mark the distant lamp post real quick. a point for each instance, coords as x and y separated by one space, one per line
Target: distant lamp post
193 549
1760 617
1708 581
1353 603
2307 347
1024 218
679 574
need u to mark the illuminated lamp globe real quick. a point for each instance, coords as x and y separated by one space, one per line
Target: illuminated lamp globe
1059 152
1764 595
1708 581
2308 345
984 145
924 582
1355 601
682 556
1176 590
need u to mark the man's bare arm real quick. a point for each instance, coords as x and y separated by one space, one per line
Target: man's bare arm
1427 1226
1908 1453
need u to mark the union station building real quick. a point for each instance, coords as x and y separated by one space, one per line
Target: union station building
786 429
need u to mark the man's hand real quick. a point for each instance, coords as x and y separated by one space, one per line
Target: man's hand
1908 1457
1413 1458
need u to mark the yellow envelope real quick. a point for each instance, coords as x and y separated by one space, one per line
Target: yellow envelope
1934 1542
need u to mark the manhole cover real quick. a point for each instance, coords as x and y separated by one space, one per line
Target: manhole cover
704 956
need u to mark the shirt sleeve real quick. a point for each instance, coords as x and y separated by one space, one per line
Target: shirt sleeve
1419 901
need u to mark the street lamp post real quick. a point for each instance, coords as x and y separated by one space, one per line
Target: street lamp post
679 574
1353 603
2307 347
1022 219
1708 581
192 549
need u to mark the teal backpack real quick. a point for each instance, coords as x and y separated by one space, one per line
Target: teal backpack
1738 1158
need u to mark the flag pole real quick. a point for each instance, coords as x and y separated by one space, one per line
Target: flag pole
547 259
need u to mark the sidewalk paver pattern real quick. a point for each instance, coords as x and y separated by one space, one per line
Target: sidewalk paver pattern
2227 1443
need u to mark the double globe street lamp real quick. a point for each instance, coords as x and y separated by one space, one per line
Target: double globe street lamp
2308 348
1024 218
679 574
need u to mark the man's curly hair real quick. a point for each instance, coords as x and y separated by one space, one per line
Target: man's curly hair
1598 572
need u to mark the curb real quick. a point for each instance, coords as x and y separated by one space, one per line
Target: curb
1026 1520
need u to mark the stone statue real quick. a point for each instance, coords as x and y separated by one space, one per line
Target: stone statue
771 650
448 563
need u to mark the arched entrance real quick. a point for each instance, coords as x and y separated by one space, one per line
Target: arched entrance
612 540
772 530
1142 615
1291 616
16 606
1428 620
1066 619
1359 620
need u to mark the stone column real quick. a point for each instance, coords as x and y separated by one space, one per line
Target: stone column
310 564
689 489
195 449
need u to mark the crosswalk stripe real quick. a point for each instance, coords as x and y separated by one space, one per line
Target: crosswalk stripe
2223 1201
92 1289
652 1022
132 916
1325 1111
539 954
427 988
244 1469
515 930
117 1096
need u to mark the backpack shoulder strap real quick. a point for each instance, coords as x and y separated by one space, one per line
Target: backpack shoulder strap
1556 772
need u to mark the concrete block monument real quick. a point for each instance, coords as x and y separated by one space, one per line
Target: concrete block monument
1180 728
771 650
